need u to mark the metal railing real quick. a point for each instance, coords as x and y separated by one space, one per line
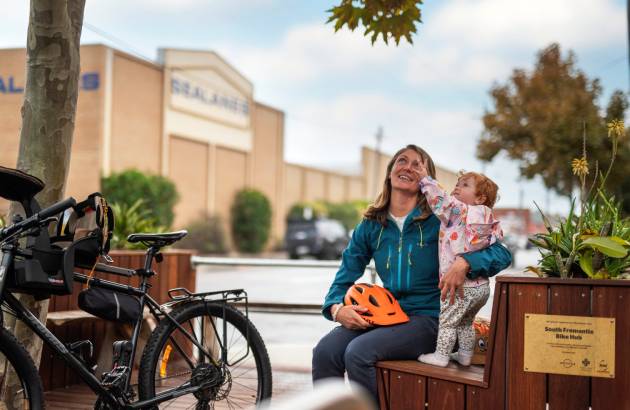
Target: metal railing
270 307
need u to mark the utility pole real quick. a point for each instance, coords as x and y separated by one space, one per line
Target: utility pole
377 158
628 29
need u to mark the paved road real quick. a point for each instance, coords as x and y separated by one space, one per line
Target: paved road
290 338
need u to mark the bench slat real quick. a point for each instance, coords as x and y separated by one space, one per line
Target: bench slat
525 390
472 375
479 398
614 393
445 395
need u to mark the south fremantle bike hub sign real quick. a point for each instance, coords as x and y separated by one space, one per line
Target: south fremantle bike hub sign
573 345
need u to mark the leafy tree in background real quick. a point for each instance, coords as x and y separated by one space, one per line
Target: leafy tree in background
539 118
390 18
251 220
158 193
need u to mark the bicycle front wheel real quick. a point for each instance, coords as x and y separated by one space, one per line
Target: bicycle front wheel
26 391
213 347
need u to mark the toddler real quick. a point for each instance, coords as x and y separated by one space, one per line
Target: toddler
467 224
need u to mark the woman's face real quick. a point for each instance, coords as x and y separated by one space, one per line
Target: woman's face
404 175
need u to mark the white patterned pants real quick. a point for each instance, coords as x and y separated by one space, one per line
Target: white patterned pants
456 320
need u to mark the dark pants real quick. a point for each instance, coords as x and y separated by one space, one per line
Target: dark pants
356 351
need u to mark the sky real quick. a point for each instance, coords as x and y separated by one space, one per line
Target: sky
336 89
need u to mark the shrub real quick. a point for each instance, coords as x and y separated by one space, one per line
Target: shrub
132 219
251 220
205 235
157 192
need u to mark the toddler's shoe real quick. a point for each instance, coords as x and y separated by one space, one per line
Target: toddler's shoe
435 358
462 357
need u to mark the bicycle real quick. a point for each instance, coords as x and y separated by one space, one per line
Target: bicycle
204 352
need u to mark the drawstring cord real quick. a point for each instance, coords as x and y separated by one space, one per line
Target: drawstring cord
421 242
378 242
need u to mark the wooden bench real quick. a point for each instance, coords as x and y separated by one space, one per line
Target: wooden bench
502 383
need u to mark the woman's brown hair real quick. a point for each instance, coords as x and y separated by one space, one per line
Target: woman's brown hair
380 208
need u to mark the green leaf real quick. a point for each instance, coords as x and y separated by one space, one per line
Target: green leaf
620 241
606 246
586 263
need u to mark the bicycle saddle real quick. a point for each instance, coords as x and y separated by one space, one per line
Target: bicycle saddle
16 185
157 239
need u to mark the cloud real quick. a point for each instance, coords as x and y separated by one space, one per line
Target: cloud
307 52
473 43
492 24
332 130
451 66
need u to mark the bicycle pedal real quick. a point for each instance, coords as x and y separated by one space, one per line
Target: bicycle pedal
77 348
114 377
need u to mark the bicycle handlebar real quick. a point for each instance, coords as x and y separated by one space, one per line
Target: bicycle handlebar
38 217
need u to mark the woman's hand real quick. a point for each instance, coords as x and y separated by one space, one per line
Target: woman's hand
453 279
348 317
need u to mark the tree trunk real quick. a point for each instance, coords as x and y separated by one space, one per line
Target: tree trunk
48 114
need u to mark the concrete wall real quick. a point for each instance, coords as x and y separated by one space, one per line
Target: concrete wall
231 177
268 163
189 171
136 123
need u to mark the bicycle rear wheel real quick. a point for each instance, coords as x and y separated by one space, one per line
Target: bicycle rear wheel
233 368
14 359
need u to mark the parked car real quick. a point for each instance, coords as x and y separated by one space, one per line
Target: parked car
322 238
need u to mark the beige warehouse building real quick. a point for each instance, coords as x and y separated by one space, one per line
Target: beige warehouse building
191 117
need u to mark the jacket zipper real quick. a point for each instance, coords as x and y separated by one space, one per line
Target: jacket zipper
400 243
409 247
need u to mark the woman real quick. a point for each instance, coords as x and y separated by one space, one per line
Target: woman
401 234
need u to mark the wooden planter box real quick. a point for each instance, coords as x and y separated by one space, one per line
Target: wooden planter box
174 271
502 383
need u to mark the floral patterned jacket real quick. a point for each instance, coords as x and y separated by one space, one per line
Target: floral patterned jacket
463 228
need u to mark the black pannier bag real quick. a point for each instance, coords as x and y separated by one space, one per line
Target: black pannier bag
110 305
81 235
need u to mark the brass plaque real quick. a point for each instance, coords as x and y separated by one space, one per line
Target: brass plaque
575 345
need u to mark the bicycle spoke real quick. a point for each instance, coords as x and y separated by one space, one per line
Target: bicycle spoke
207 335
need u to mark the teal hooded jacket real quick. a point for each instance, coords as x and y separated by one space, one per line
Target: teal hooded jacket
406 262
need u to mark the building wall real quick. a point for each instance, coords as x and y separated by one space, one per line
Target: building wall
136 124
231 177
268 163
355 188
335 187
189 171
293 186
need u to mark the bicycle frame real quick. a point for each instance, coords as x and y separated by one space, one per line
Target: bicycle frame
160 312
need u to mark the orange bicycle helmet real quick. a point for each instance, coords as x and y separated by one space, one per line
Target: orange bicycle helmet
383 308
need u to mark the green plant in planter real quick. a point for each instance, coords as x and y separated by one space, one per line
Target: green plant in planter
134 218
594 243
